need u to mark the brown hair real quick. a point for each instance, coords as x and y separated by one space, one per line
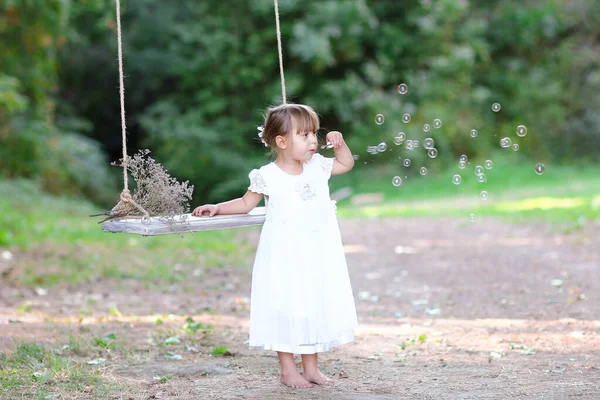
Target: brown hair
288 119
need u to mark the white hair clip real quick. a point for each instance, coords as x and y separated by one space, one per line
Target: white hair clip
260 134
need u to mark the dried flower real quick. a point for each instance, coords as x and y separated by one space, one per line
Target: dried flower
156 191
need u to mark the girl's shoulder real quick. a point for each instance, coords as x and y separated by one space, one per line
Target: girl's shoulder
261 179
321 163
265 172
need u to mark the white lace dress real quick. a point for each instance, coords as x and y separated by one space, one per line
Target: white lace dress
301 300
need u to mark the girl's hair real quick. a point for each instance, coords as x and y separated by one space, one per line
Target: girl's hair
288 119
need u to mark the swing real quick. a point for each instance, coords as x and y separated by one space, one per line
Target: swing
121 219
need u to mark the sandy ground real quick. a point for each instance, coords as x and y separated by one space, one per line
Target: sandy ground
448 309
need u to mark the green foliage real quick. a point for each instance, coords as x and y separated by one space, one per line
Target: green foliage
12 99
32 144
200 74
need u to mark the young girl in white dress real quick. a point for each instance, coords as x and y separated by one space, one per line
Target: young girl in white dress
301 299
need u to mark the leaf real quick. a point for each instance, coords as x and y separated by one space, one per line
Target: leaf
96 361
42 376
193 327
172 356
23 308
173 340
221 350
162 379
105 341
528 350
114 311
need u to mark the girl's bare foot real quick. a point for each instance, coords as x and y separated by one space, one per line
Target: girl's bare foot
295 380
317 377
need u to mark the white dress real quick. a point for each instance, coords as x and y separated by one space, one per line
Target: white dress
301 300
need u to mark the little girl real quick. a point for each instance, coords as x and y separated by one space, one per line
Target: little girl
301 299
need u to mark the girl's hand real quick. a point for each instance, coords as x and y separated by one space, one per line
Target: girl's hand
207 209
335 138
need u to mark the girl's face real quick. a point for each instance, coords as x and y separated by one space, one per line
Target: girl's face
303 145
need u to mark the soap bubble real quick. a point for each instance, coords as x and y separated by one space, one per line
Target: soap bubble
428 143
415 144
396 181
478 170
437 123
403 88
406 118
540 168
496 107
463 158
474 133
472 218
356 156
406 162
456 179
481 178
505 142
484 195
515 147
399 138
489 164
423 171
409 145
432 153
379 119
382 147
462 164
521 130
372 150
426 128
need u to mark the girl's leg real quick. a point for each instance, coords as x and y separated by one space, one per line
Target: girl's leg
311 372
289 373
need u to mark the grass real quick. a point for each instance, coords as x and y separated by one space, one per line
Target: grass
35 372
564 194
63 245
82 364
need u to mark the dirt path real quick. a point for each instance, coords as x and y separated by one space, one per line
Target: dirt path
448 310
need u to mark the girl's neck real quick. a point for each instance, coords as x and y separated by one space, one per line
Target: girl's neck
288 164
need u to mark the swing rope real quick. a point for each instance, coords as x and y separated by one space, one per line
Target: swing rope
279 49
125 194
127 200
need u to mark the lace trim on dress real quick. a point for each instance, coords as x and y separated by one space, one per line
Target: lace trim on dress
257 182
326 163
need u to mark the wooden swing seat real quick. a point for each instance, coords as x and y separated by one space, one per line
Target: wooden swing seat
155 226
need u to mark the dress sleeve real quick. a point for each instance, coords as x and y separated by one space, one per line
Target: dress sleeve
325 163
257 182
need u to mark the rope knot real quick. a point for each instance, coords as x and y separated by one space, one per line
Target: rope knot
126 196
